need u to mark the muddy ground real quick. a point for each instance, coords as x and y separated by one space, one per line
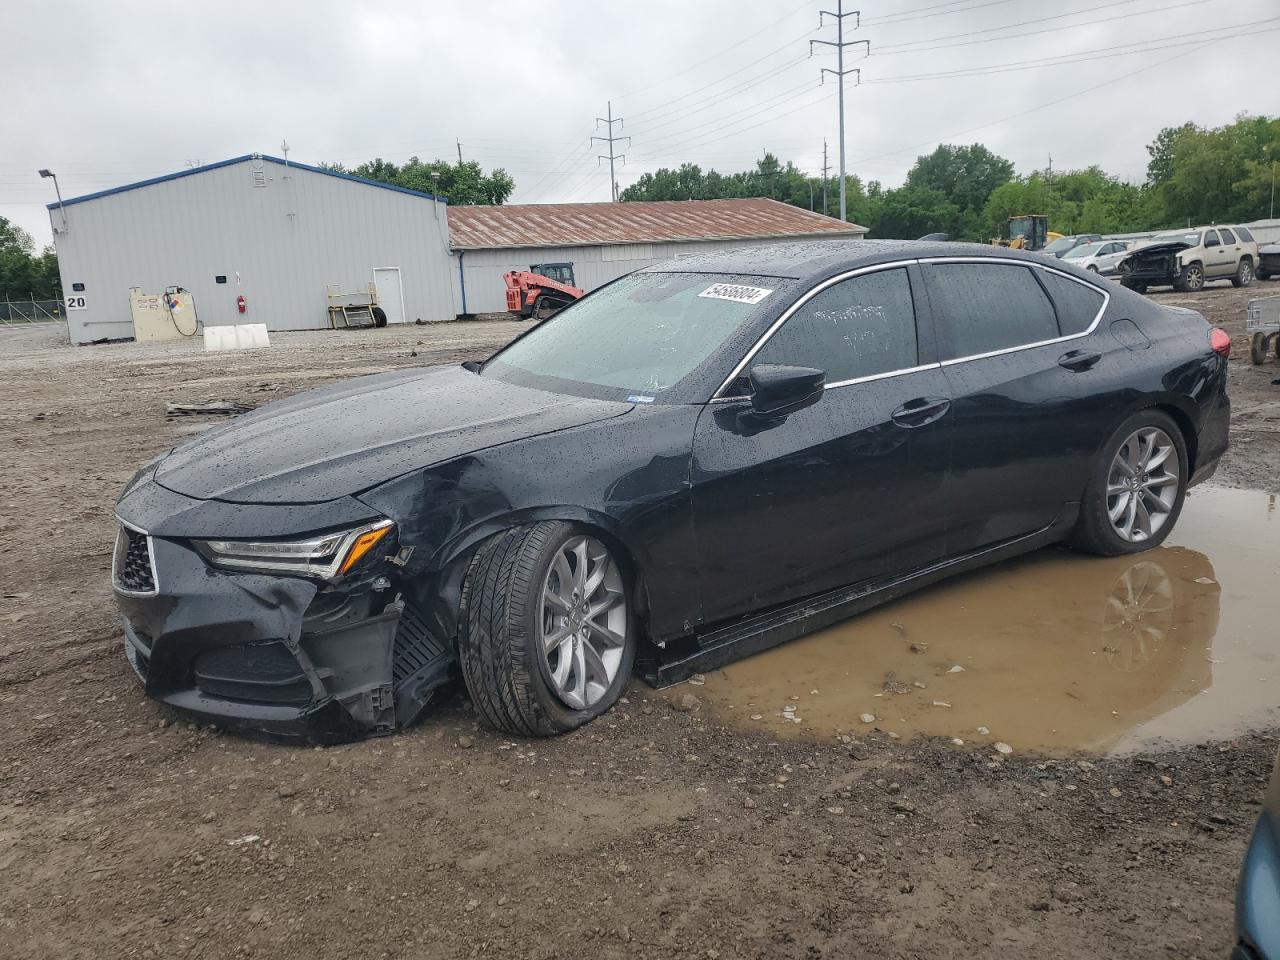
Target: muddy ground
655 832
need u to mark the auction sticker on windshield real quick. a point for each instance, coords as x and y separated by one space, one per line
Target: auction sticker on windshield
737 292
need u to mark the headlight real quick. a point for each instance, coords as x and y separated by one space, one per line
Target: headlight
327 556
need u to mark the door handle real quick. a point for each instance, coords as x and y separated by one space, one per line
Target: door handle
920 411
1079 360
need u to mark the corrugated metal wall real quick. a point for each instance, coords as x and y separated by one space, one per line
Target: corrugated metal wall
592 266
278 245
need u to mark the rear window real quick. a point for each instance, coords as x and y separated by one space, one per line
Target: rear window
1078 303
988 307
1228 236
1245 235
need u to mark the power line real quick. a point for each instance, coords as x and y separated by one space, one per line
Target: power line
609 120
1083 56
892 51
840 73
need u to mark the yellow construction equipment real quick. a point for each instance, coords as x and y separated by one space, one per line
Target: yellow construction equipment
1027 232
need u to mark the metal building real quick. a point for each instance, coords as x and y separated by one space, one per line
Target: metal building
277 234
255 239
604 241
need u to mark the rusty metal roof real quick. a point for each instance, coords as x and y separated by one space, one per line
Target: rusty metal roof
588 224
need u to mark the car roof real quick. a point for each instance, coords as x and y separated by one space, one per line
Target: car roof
818 259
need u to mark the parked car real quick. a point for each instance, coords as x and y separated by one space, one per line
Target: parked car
1061 246
1187 259
1269 261
1102 256
702 459
1258 895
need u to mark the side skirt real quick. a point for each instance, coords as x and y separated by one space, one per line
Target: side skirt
721 645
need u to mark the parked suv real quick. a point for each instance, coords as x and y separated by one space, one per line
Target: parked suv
1187 259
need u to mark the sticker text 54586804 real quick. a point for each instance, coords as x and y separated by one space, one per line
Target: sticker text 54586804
738 292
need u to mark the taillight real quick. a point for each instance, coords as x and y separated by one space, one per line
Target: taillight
1220 342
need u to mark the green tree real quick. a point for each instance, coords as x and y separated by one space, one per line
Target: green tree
1222 173
460 183
23 273
966 176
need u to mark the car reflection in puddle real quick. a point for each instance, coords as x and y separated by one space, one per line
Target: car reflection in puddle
1053 652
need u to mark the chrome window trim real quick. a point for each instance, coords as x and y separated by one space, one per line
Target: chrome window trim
1047 268
151 559
787 314
718 396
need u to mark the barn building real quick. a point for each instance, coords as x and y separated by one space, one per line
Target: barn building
257 239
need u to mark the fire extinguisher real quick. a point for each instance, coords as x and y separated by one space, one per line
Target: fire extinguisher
240 304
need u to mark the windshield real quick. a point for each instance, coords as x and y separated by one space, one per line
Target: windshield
1084 250
1060 246
639 336
1190 239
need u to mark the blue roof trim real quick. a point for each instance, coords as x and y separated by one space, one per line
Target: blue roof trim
234 160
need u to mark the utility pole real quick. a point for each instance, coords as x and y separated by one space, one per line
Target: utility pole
840 72
1273 189
826 210
609 120
459 143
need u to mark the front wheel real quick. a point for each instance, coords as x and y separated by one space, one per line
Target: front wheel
1190 279
546 639
1091 268
1244 274
1137 488
1258 349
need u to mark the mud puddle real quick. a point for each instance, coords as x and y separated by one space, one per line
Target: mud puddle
1056 651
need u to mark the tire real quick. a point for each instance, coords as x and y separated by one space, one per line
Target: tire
1091 268
1244 273
1262 274
379 317
1258 349
1134 285
1108 490
1190 279
504 616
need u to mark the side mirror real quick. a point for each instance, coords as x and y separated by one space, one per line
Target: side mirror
777 390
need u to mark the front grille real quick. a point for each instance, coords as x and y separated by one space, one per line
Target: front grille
132 566
415 648
253 673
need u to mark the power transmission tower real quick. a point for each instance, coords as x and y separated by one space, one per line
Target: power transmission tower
840 72
609 121
825 167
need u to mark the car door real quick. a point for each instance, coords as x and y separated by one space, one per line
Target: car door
1231 252
1214 254
1022 371
849 488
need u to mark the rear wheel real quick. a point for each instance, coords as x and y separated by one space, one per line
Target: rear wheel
1191 278
1244 274
1091 268
1137 488
545 637
1258 348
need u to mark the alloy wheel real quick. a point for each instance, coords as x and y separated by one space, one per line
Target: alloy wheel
1245 273
584 621
1142 484
1195 277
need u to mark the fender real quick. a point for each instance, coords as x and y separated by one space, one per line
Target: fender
440 584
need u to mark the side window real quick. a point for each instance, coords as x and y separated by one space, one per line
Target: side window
1211 238
857 328
1077 303
1245 235
1227 236
988 307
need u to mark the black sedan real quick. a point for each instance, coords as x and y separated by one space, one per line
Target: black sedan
697 461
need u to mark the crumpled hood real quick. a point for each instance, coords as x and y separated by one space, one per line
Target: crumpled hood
1167 246
347 437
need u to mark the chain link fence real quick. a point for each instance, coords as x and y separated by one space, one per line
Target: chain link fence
31 311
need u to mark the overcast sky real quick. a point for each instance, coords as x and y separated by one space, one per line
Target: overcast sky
108 93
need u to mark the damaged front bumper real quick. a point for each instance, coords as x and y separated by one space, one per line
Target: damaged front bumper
284 656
